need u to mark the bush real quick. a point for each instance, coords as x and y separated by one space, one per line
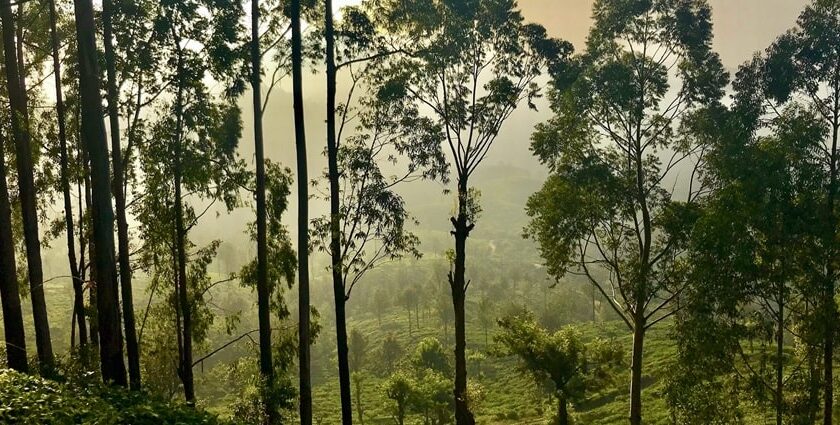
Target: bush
28 399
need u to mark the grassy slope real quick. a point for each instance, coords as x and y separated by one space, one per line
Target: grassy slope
510 398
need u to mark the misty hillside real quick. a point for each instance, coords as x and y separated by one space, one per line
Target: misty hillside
406 212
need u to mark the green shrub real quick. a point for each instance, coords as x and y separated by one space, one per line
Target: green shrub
28 399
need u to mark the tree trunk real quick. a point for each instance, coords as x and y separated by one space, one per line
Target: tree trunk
92 315
26 186
102 215
636 372
119 200
401 413
185 372
562 411
75 276
303 221
780 345
458 284
263 289
829 304
335 225
13 329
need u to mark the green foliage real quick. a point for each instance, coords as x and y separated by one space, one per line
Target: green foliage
32 400
561 363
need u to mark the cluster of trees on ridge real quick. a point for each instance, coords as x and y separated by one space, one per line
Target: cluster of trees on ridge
683 195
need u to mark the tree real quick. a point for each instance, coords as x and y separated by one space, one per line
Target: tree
366 222
190 155
19 117
803 66
399 388
486 315
119 197
13 330
263 293
75 276
303 220
605 212
750 284
470 84
358 347
279 265
102 214
391 351
562 362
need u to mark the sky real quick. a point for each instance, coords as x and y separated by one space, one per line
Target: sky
742 27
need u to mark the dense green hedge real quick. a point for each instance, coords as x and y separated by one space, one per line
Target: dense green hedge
28 399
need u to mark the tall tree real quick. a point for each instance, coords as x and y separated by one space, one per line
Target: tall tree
60 111
191 156
119 197
803 66
472 64
612 145
263 291
102 214
752 260
304 336
367 217
26 184
13 330
334 221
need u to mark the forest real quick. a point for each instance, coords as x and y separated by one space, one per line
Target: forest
412 212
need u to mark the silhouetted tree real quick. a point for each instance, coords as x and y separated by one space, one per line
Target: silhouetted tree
19 117
102 215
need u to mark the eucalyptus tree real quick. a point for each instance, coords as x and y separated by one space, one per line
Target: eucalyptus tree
61 118
189 156
118 190
753 258
561 362
13 330
803 66
367 221
279 267
470 65
102 214
20 129
614 149
304 331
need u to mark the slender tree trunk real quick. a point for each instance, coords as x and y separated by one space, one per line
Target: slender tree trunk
641 298
335 225
26 186
458 284
119 200
75 276
92 279
102 214
13 329
401 413
829 304
636 373
780 345
303 221
185 371
562 410
263 289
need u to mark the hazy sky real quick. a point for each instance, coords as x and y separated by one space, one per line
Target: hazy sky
742 27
